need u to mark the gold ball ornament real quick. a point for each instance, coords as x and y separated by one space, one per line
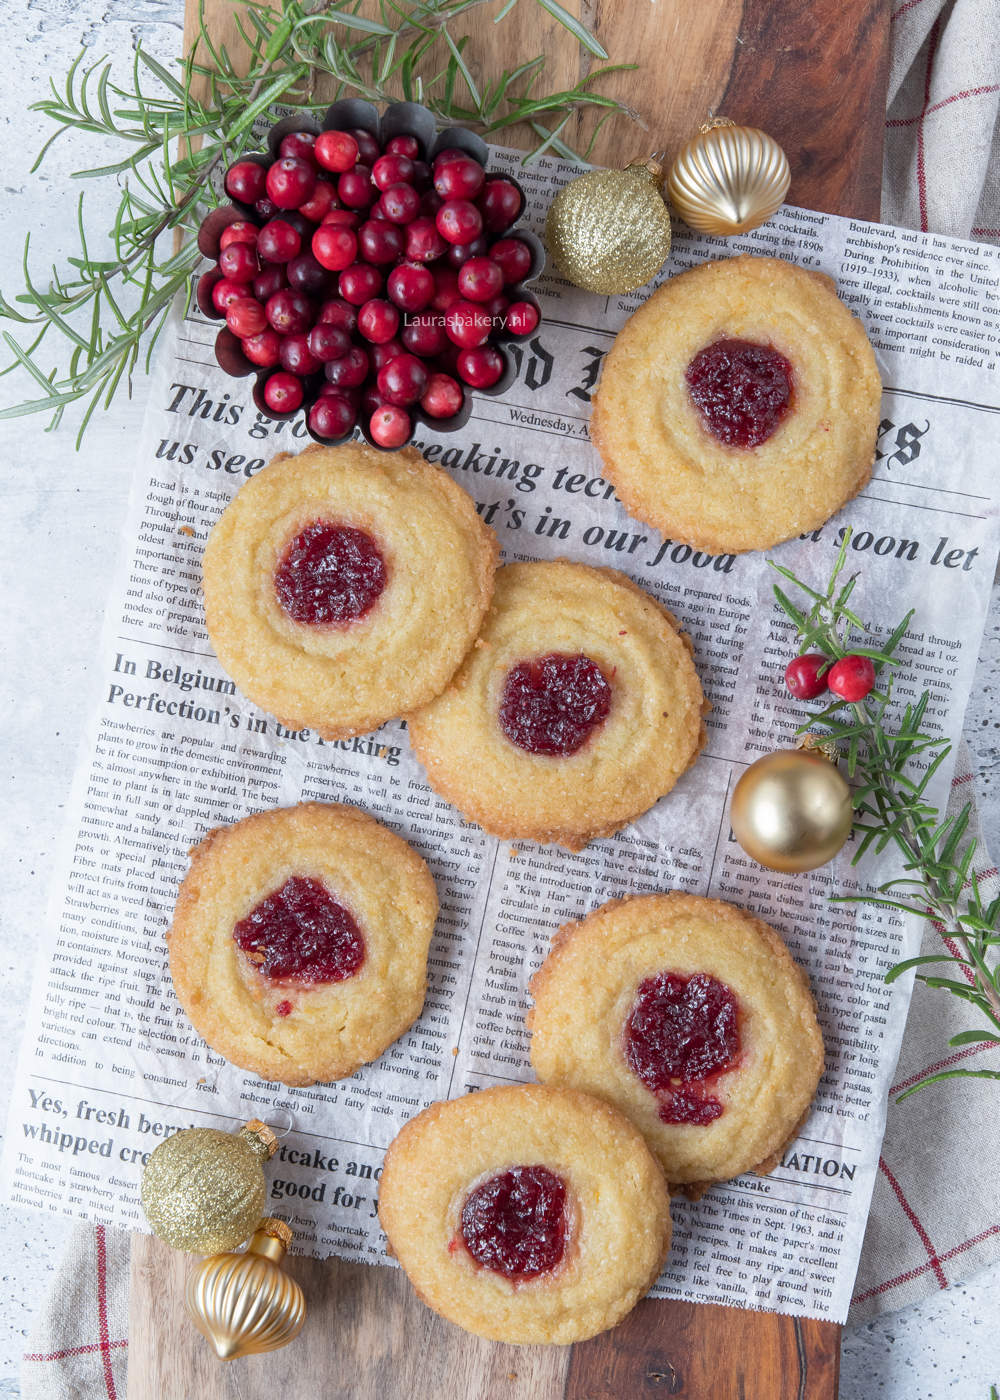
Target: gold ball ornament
791 810
609 231
243 1303
728 179
203 1189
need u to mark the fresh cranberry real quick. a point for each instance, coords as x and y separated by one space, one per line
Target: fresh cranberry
301 144
852 677
467 324
266 209
680 1032
424 334
446 291
240 232
403 380
514 1223
392 170
263 349
430 203
522 318
390 426
407 146
279 242
446 360
499 203
480 279
331 416
342 218
307 274
461 178
481 367
458 254
246 181
423 177
323 200
339 313
368 151
381 243
296 356
246 317
459 221
359 283
443 396
378 320
377 213
451 153
802 676
289 312
513 258
410 286
301 932
291 182
552 704
334 246
355 188
299 223
270 279
349 371
741 389
239 262
336 151
496 309
328 342
400 204
283 392
351 392
380 355
423 242
225 292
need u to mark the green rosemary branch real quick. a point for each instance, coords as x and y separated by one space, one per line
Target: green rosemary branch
892 762
104 312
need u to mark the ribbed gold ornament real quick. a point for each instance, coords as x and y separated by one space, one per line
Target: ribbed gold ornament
203 1190
728 179
609 231
243 1303
791 810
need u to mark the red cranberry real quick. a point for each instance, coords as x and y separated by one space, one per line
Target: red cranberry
225 292
359 283
461 178
289 312
299 223
460 253
377 213
741 389
368 151
430 203
481 367
334 246
423 177
802 676
852 677
291 182
522 318
446 360
378 320
390 426
266 209
499 203
279 242
443 396
307 274
423 242
371 400
239 262
339 313
301 144
459 221
446 291
337 151
496 309
400 204
240 232
425 334
403 380
283 392
271 278
467 324
351 393
331 416
342 218
246 317
355 188
451 153
380 355
513 258
552 704
392 170
328 342
323 200
246 181
407 146
381 243
351 370
410 286
263 349
480 279
296 356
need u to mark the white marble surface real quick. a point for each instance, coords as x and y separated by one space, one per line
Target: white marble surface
62 513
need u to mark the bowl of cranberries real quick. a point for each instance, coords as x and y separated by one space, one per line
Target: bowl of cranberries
370 271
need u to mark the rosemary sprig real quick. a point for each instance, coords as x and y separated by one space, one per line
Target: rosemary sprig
178 132
893 761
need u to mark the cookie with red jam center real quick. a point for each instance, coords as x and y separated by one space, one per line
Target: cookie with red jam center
576 709
299 941
738 406
343 586
692 1018
526 1214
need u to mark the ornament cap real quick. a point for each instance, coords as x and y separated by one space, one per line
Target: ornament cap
651 165
271 1239
715 125
820 744
259 1138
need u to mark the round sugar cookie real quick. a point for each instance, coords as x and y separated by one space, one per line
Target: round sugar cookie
343 586
692 1018
577 708
526 1214
299 941
790 398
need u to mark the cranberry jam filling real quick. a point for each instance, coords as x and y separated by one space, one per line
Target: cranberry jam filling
301 932
681 1032
742 390
330 573
552 704
515 1223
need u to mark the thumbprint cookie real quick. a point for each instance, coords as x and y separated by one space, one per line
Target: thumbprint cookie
343 586
739 405
526 1214
577 708
299 941
693 1019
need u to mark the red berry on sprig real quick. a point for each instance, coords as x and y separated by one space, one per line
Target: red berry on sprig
852 677
802 676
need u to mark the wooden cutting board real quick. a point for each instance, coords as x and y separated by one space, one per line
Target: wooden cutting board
814 76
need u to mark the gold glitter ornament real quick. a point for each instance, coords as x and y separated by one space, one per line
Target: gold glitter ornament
609 231
728 179
243 1303
791 810
203 1189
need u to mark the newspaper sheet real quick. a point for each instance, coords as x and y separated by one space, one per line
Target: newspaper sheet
111 1065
